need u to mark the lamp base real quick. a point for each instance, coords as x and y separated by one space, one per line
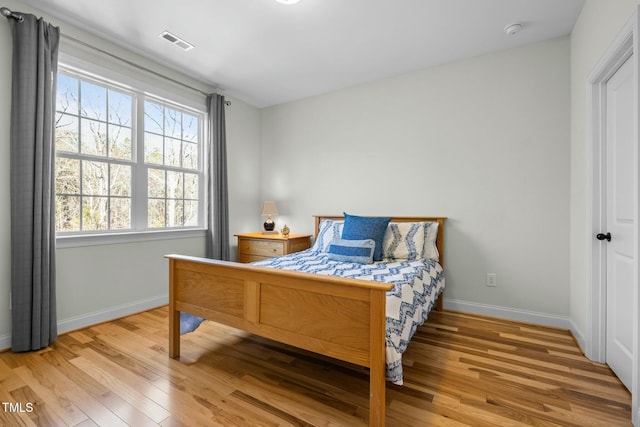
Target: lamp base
269 225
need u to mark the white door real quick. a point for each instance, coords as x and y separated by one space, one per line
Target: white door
620 222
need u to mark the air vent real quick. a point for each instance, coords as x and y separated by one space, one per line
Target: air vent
172 38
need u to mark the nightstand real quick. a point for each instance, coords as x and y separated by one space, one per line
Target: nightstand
258 246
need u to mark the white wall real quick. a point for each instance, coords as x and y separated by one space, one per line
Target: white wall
483 141
100 282
595 29
243 152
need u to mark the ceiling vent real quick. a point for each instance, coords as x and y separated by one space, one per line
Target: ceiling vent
172 38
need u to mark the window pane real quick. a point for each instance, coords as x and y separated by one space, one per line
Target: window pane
67 94
175 213
156 183
173 157
189 127
120 180
93 101
95 213
93 137
67 176
153 117
153 151
95 178
174 185
190 156
119 142
191 186
155 213
120 107
67 213
120 210
66 133
172 123
190 213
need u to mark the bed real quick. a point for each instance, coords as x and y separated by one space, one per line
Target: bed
263 300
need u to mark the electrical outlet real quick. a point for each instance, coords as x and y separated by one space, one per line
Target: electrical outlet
491 280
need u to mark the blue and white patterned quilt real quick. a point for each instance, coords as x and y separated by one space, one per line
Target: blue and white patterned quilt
417 285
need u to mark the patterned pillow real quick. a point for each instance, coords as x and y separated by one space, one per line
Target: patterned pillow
359 251
410 241
404 240
327 231
430 238
363 227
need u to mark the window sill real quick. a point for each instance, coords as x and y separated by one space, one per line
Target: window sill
75 241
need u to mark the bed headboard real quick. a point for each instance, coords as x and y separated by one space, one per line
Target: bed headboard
439 219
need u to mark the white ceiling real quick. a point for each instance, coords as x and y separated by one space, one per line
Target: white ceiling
267 53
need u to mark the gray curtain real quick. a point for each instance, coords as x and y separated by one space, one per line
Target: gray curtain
218 208
35 63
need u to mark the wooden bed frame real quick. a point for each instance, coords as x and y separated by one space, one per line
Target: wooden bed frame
333 316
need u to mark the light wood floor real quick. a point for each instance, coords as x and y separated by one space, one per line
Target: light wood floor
460 370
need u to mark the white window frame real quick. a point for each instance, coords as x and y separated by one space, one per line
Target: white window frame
154 90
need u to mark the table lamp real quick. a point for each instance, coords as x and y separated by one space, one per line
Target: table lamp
269 208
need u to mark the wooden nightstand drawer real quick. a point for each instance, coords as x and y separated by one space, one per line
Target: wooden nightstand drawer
297 245
244 258
258 246
265 248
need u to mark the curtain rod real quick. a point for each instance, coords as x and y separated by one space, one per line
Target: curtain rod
7 13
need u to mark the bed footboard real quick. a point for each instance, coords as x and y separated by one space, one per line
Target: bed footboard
336 317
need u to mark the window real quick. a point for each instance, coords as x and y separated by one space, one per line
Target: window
125 161
171 150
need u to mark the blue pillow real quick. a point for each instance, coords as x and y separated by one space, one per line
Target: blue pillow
360 251
362 228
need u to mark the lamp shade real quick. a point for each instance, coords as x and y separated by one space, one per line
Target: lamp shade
269 208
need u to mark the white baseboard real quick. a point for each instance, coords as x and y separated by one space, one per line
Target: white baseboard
79 322
578 336
544 319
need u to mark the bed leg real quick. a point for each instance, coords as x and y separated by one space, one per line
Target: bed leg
377 399
174 334
174 316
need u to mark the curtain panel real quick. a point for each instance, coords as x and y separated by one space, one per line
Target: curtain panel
218 206
34 74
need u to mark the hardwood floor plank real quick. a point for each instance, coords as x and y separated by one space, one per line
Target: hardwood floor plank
462 411
279 414
8 378
41 414
102 371
76 395
125 410
403 414
460 370
48 395
9 417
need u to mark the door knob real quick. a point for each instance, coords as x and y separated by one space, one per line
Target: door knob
606 237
